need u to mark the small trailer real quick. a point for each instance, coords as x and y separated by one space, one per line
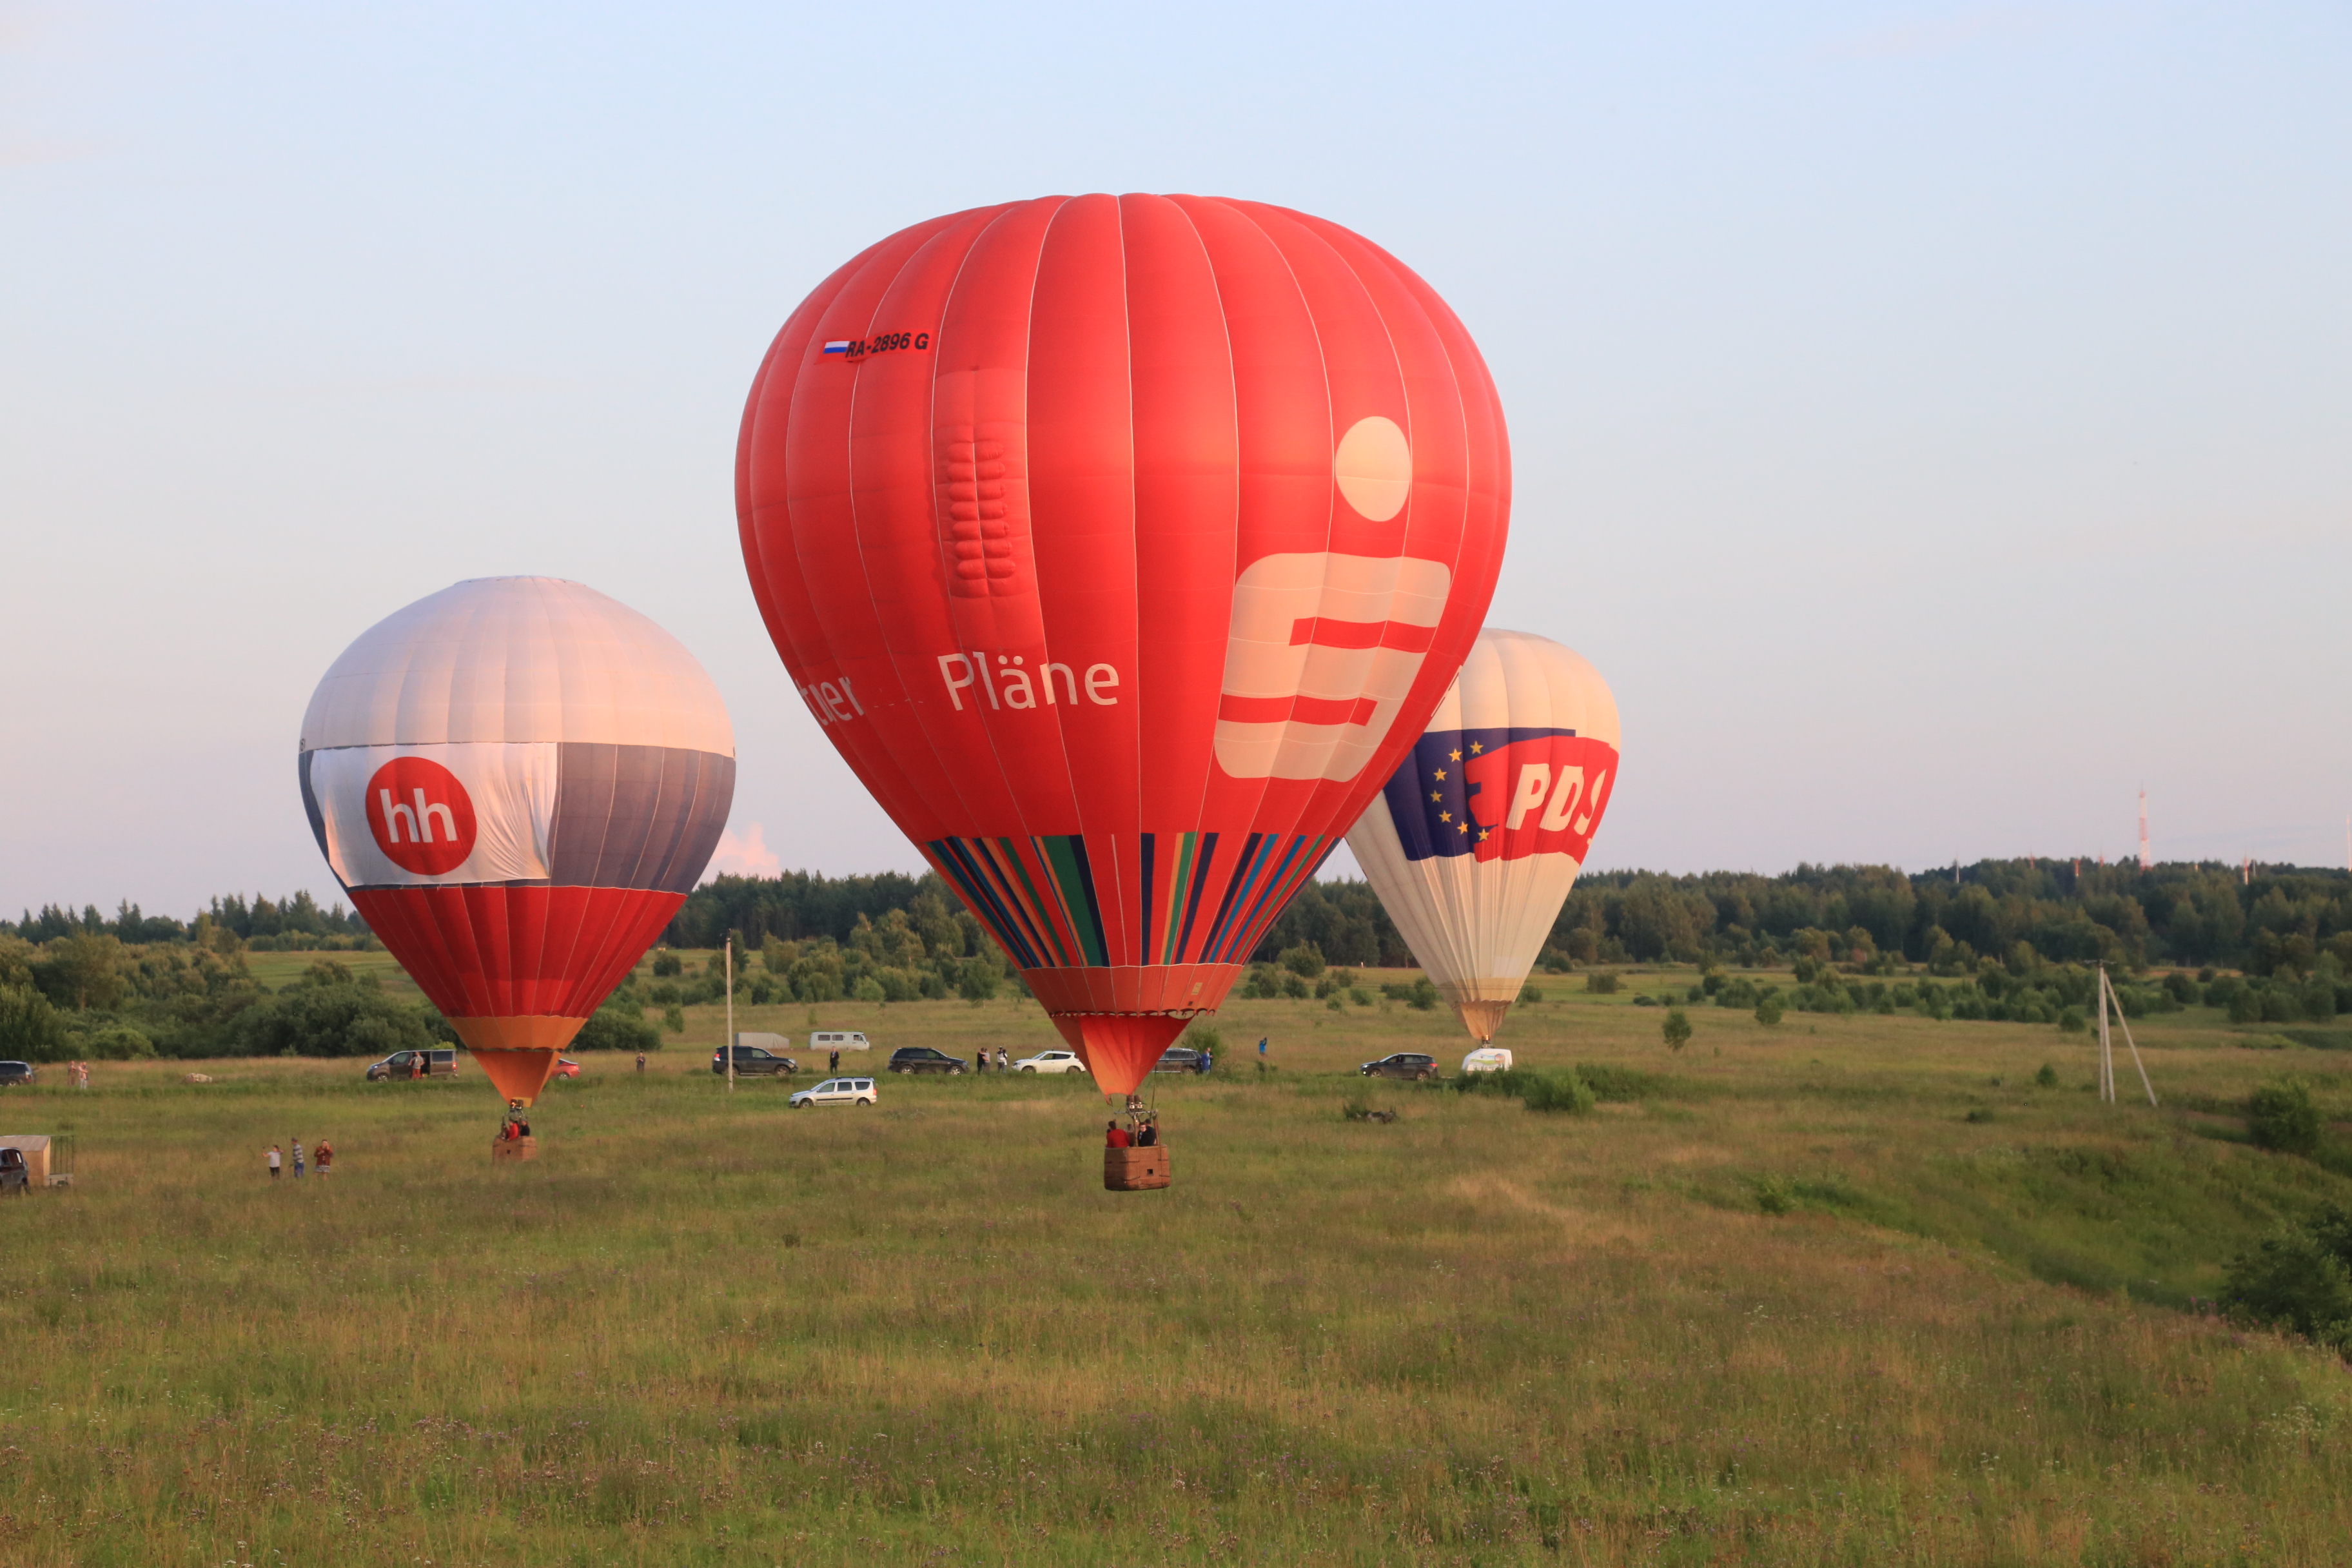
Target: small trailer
48 1159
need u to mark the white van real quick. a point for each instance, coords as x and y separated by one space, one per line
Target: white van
1487 1059
838 1040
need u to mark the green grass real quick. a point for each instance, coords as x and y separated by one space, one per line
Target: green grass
704 1329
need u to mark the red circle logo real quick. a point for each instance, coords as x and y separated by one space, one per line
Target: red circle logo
422 817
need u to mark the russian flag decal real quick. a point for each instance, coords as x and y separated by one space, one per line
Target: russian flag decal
838 346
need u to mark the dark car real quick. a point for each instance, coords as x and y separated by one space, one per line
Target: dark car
754 1061
402 1064
14 1177
922 1058
1178 1059
15 1072
1404 1064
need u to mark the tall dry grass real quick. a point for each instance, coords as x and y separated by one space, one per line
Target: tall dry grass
704 1329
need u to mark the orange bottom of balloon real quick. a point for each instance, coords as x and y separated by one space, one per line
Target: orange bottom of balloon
1121 1020
518 1054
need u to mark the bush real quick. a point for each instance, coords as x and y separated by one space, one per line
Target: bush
1768 1011
674 1018
978 982
1621 1084
2046 1077
1676 1029
30 1029
1294 986
1564 1094
2282 1117
611 1029
334 1021
2071 1022
1775 1196
1360 996
1306 960
115 1042
666 964
1530 994
2300 1279
1602 982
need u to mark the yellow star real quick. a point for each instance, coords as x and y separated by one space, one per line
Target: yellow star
1441 775
1457 756
1444 816
1434 796
1475 748
1481 836
1460 827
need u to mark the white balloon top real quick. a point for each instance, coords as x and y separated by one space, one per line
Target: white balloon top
1520 681
517 660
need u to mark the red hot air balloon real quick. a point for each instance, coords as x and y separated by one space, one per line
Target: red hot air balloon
1123 545
518 780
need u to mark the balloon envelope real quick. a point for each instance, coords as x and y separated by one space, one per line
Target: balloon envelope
518 780
1477 837
1121 544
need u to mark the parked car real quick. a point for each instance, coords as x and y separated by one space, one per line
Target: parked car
1487 1059
565 1068
15 1175
1052 1061
922 1058
839 1040
1404 1064
755 1061
1178 1059
15 1072
399 1065
838 1091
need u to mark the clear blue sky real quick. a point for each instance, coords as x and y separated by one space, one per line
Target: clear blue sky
1936 422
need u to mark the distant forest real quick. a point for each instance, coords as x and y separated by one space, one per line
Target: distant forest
2063 911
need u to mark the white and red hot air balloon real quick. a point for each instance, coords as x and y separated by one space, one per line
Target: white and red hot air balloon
518 780
1474 842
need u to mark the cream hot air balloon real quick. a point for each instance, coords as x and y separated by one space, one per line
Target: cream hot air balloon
1477 839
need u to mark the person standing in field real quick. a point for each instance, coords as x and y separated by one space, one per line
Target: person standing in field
417 1067
326 1157
641 1062
274 1158
834 1065
297 1159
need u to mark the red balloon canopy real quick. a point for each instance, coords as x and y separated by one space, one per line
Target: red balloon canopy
1123 545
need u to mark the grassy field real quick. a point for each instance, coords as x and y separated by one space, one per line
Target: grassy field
1843 1292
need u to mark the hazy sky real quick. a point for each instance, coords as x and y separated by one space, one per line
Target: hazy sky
1936 423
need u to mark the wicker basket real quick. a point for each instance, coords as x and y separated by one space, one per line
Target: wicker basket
524 1148
1135 1170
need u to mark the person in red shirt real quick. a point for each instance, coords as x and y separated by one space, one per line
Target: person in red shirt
1115 1136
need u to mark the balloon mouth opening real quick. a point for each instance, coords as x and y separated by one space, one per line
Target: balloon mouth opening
1121 1048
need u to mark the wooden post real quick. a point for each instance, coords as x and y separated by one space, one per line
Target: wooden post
731 1012
2128 1041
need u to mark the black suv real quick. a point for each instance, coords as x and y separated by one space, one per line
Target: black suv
1404 1064
15 1072
922 1058
750 1061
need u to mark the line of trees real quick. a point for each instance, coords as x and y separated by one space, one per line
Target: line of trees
285 925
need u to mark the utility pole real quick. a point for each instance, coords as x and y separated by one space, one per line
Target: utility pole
2144 861
731 1012
2107 1047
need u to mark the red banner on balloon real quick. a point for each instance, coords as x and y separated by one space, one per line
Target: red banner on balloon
1540 796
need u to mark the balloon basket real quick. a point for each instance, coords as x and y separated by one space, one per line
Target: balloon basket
1135 1170
524 1148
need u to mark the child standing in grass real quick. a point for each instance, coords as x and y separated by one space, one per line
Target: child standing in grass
274 1158
297 1159
326 1157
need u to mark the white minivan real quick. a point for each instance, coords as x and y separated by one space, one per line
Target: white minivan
838 1091
1487 1059
838 1040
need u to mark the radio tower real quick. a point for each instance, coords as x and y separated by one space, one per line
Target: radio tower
2144 861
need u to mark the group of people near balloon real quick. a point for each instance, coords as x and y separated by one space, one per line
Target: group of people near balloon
1132 550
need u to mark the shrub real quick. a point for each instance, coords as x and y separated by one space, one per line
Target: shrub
667 964
870 990
1602 982
1774 1195
2282 1117
1676 1030
1294 986
611 1029
1645 1000
1562 1094
1361 998
2046 1077
30 1029
1530 994
1305 961
2300 1279
978 981
1613 1083
674 1018
1768 1011
1424 996
2071 1022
